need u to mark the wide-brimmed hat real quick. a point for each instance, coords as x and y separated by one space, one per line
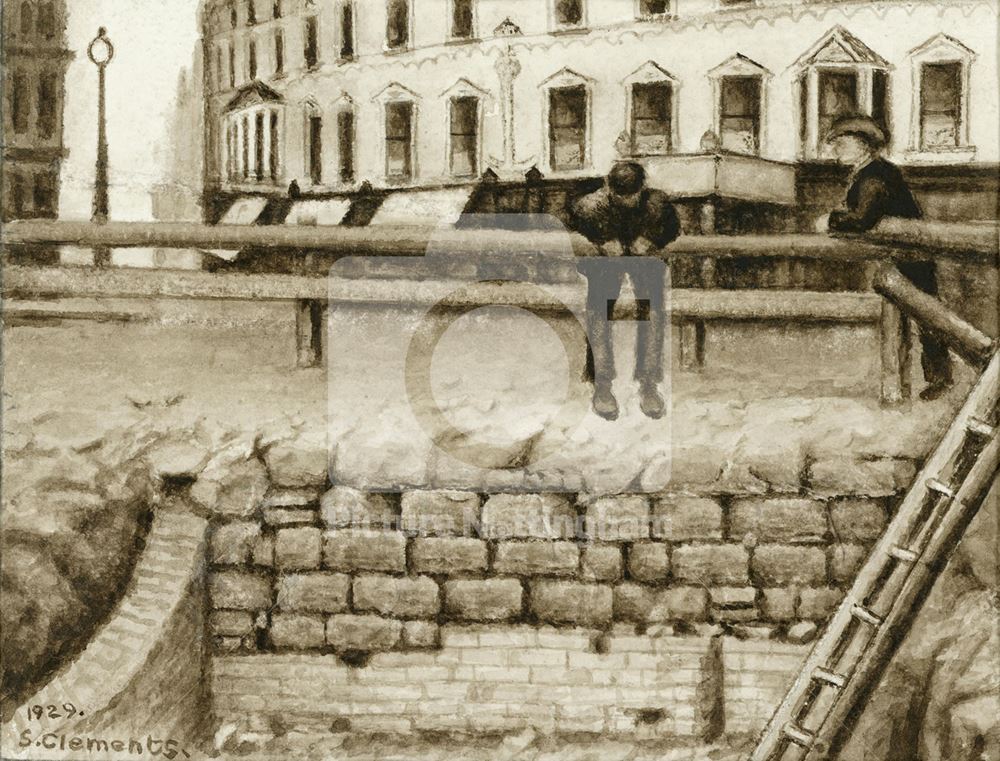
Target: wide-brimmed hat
861 126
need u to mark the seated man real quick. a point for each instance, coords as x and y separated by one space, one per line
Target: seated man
878 190
641 221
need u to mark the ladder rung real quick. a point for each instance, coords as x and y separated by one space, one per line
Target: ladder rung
863 614
798 735
934 485
980 427
901 553
830 677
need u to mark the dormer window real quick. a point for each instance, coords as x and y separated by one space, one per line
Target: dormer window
461 20
650 97
567 101
399 108
838 76
940 121
653 9
739 85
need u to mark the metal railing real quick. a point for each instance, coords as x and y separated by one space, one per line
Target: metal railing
691 308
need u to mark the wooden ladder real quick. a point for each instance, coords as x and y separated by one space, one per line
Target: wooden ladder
819 710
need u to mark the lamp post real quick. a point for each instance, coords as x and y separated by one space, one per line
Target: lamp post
100 52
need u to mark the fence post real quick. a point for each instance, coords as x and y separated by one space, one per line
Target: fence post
308 332
894 331
692 337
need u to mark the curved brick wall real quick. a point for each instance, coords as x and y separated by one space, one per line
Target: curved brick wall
141 676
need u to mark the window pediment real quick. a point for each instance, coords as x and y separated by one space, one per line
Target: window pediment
839 46
739 65
649 72
566 77
464 88
254 94
942 47
394 91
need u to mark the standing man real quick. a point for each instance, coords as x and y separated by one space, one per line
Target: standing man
878 190
640 221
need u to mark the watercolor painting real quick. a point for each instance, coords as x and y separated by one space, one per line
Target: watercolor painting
521 380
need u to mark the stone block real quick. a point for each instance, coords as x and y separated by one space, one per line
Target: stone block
302 461
601 562
845 561
346 507
292 498
440 512
483 600
281 517
345 632
262 553
776 565
298 548
538 558
176 458
733 597
711 564
421 634
297 631
231 623
231 484
363 550
787 520
648 561
397 596
528 516
448 555
683 519
574 603
817 604
233 543
778 603
317 592
858 520
649 605
239 591
802 633
620 518
873 478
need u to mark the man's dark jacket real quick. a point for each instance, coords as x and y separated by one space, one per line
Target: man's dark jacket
878 191
599 220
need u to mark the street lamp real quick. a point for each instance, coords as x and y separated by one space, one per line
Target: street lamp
100 52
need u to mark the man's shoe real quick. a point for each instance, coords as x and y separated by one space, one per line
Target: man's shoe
935 390
650 401
605 404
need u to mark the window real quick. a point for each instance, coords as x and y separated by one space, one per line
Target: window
652 8
232 67
47 102
17 195
47 20
279 52
219 70
230 151
27 19
20 106
399 140
44 193
461 19
347 30
315 127
245 155
258 146
345 145
312 42
464 120
838 96
251 13
940 104
233 17
568 127
739 113
276 9
569 12
252 59
273 158
397 30
652 107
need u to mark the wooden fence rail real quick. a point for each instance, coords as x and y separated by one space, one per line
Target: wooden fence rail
691 308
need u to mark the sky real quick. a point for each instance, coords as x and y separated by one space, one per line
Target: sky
154 40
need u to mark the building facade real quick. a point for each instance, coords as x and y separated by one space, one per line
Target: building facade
35 58
426 93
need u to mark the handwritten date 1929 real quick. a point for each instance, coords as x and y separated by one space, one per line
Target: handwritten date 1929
43 712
